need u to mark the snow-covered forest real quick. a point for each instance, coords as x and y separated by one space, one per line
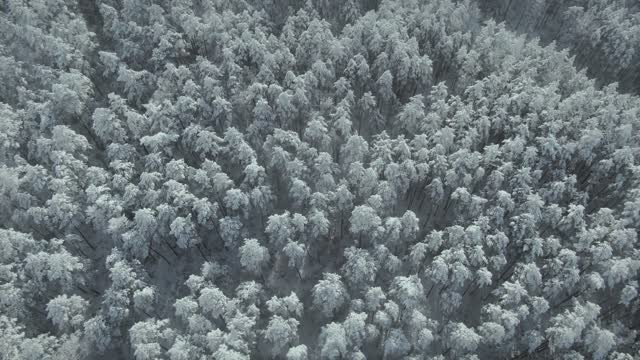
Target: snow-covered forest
320 179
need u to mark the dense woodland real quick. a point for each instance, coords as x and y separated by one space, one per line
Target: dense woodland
354 179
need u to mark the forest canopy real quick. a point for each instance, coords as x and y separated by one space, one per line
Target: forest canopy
302 180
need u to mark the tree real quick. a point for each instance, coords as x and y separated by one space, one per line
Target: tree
185 232
58 268
412 114
143 299
396 344
281 333
146 338
225 353
355 328
108 127
181 350
316 133
299 192
230 230
359 267
354 150
286 307
600 342
250 292
329 294
279 228
463 339
71 93
253 256
385 86
296 253
239 151
629 293
235 200
67 312
96 332
213 301
410 226
185 307
374 298
297 353
333 341
16 343
408 291
492 333
566 328
364 220
319 224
